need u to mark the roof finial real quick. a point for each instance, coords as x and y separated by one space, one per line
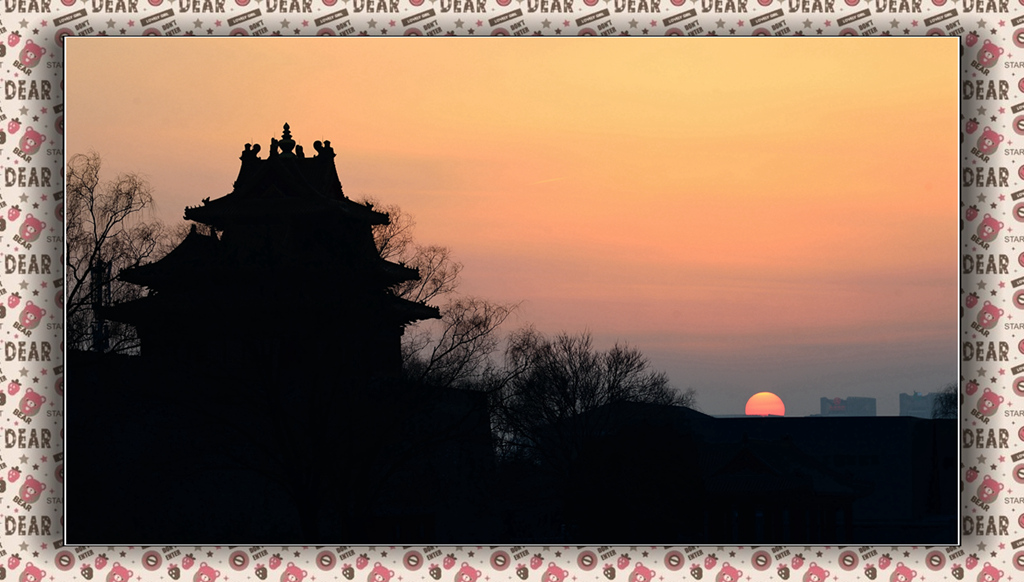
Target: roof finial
286 143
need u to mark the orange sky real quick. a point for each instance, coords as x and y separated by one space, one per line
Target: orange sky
754 214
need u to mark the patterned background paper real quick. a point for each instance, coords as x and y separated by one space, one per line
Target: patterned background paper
992 271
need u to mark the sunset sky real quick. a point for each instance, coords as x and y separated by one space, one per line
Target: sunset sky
754 214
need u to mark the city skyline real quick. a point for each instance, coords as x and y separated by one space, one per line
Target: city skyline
827 266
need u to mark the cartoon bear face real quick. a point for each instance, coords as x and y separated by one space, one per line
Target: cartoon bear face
292 573
989 573
987 55
205 573
641 573
554 573
379 573
31 489
31 402
31 574
31 315
31 53
988 489
31 141
815 573
987 141
988 316
728 574
31 228
989 402
902 574
466 573
119 573
987 230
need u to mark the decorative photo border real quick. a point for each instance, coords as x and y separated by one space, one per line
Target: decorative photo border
992 260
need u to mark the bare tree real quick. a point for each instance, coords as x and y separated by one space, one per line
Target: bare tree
106 233
548 399
455 351
945 404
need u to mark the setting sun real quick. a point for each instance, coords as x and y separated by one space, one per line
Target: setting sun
765 404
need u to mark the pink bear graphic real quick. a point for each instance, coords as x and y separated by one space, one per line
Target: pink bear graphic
815 573
641 573
988 316
902 574
31 53
292 573
118 573
466 573
988 489
987 54
554 574
31 402
31 141
31 228
379 573
728 574
205 573
989 573
31 489
31 573
987 141
989 402
988 229
31 315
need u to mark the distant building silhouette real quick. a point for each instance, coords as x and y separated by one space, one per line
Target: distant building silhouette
850 406
917 404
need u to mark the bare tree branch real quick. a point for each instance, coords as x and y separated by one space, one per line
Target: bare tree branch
106 226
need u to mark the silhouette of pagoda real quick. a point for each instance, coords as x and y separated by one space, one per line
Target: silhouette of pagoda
288 275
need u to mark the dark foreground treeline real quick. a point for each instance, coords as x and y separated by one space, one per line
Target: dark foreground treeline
592 455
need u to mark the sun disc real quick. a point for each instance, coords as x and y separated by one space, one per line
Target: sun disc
765 404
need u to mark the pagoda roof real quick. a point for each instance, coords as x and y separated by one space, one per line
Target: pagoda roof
190 258
285 183
409 311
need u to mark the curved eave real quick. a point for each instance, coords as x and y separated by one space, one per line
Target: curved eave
409 311
234 209
183 261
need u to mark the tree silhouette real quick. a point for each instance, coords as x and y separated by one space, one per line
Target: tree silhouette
107 232
547 382
455 351
945 404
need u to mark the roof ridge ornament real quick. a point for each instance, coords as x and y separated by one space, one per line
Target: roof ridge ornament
287 144
324 149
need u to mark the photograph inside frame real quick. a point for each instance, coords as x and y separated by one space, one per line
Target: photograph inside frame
513 291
